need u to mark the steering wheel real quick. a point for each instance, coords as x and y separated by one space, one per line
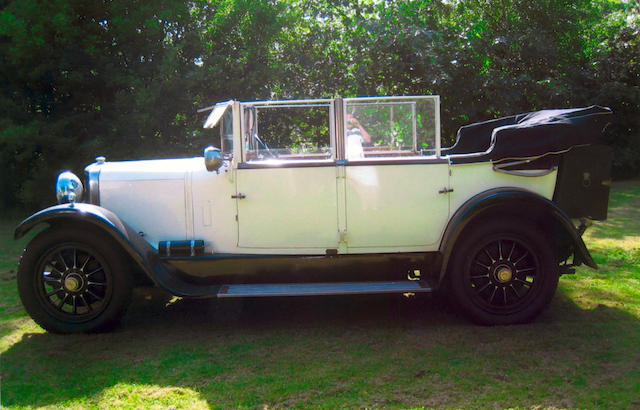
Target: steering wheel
268 150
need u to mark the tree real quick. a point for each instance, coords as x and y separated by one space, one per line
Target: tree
83 78
124 78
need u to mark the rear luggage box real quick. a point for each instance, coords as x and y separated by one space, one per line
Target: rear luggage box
584 178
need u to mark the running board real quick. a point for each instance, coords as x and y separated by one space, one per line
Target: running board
317 289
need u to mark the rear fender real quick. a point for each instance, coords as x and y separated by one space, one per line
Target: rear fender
517 203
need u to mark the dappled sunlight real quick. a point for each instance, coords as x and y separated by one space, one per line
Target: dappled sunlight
15 329
622 227
330 352
616 284
150 395
615 246
592 294
626 242
617 234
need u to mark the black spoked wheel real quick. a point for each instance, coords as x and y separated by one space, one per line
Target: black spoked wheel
502 274
73 281
505 274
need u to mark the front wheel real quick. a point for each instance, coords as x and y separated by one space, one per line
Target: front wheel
73 281
503 273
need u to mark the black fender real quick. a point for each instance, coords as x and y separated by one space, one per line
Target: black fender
518 203
130 242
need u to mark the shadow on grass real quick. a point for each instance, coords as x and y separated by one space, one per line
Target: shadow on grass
624 212
368 350
618 228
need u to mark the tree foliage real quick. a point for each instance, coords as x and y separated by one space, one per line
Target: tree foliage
124 78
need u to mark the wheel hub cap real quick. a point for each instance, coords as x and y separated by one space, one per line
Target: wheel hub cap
73 282
504 274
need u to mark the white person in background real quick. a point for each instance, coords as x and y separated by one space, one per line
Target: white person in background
357 135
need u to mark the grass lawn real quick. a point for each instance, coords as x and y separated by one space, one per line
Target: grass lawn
373 351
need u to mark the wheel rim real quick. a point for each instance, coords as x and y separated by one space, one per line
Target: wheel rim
503 275
73 283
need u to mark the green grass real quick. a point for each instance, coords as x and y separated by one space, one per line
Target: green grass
374 351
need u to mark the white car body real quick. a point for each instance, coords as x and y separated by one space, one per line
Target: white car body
329 197
299 210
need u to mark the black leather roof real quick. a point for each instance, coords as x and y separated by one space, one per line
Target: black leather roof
531 134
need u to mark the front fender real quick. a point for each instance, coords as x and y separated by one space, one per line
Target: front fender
97 218
146 257
514 202
92 214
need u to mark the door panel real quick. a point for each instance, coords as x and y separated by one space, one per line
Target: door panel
288 208
396 206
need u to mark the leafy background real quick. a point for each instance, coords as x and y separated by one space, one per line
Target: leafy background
124 78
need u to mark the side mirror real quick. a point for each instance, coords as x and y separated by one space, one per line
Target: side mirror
212 158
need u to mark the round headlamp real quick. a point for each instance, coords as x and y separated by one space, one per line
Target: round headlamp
68 188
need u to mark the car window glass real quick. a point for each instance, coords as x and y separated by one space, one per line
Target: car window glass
226 133
386 127
287 132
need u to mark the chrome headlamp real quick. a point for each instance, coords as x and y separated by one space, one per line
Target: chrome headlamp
68 188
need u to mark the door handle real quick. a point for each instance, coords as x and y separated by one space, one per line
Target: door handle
445 190
239 196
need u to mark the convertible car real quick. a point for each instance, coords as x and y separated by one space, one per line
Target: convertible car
328 197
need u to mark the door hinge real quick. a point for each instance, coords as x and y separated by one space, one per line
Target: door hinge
445 190
343 235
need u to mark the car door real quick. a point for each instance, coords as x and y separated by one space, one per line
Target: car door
399 207
396 185
287 207
286 184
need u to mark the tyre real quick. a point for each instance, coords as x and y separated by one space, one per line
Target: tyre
73 280
502 273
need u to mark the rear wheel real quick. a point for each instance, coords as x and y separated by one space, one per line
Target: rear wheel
73 281
503 273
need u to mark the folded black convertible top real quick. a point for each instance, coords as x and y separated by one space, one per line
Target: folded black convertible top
532 134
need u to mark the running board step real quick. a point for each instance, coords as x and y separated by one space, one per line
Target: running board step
316 289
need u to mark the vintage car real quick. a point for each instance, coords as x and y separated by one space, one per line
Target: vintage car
329 197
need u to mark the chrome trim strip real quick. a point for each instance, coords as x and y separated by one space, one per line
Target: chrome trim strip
392 98
339 116
303 105
332 129
438 127
281 102
321 289
285 164
524 173
414 127
93 183
397 161
360 162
